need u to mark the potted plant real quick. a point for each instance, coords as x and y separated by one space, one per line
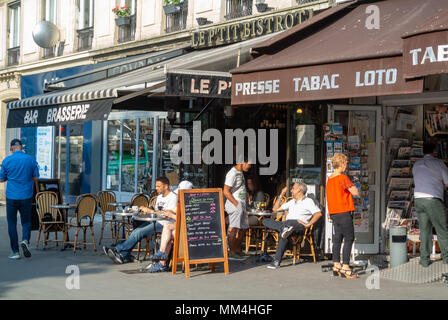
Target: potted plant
122 15
172 6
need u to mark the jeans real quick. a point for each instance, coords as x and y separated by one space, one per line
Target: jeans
431 213
343 230
142 232
278 226
24 207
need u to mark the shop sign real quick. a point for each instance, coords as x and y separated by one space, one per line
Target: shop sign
364 78
241 31
425 54
185 84
62 114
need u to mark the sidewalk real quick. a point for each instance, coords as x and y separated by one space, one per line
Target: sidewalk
44 277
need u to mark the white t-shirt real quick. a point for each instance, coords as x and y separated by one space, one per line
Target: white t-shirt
235 180
167 203
302 210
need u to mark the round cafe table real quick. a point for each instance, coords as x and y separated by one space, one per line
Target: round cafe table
124 215
119 204
154 219
265 257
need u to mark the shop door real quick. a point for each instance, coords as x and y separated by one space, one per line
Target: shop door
138 144
356 131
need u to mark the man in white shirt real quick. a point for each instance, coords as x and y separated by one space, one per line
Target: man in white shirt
302 214
235 206
166 201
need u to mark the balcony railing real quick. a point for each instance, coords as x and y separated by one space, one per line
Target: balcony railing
85 37
238 8
13 56
177 21
126 32
49 52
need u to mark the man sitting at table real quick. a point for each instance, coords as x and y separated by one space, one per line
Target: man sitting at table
302 214
160 257
166 200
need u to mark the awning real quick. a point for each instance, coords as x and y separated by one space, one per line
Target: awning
425 49
341 58
60 114
215 59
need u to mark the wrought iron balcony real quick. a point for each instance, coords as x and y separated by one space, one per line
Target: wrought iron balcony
177 21
126 32
238 8
13 56
85 37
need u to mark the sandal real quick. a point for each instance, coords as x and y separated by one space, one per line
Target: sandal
337 270
348 273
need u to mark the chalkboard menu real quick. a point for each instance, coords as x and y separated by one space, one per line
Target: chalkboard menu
201 228
203 222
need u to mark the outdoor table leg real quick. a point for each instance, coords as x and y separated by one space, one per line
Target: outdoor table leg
265 257
155 237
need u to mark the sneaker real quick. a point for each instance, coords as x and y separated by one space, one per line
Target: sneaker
287 231
115 256
236 257
274 265
159 255
105 250
14 255
26 251
155 267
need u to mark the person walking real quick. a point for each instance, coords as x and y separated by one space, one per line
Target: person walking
19 170
340 193
235 206
430 179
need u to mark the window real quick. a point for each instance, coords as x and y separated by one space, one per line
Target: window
14 33
238 8
50 14
126 31
177 20
85 24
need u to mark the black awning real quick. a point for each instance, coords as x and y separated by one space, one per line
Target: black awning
59 114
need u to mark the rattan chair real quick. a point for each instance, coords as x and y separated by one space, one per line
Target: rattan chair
140 200
273 233
255 235
50 220
85 215
104 198
299 242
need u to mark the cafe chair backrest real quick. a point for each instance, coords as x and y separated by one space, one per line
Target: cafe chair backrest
104 198
85 207
44 200
140 200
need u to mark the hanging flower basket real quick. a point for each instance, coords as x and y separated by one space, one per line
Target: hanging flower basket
172 6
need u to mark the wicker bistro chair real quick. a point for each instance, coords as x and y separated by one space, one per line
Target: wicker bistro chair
140 199
143 200
300 242
50 220
254 233
104 198
85 214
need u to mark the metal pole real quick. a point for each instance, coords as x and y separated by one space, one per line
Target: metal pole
288 147
154 151
121 157
59 153
137 151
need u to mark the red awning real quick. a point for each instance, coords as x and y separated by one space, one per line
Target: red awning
324 63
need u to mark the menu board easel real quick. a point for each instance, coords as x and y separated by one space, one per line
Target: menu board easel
200 235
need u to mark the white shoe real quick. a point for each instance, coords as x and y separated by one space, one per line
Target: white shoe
287 231
14 255
25 249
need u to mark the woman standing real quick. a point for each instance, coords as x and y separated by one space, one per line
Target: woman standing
340 193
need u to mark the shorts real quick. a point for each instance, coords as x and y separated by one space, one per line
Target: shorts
237 215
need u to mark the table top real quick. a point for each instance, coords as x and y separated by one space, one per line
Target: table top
123 213
119 204
151 219
63 206
261 213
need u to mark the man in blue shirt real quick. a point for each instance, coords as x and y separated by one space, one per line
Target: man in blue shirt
19 170
431 179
